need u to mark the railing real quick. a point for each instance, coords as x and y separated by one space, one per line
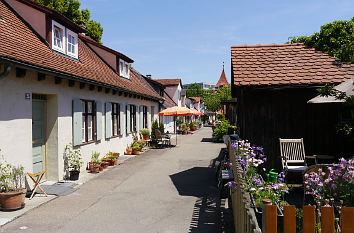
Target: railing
244 216
326 220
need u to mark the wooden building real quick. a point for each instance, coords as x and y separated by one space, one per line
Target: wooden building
273 83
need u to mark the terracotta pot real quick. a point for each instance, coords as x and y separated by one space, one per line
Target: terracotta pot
146 137
116 155
94 167
104 164
193 129
115 162
100 168
136 152
129 151
13 200
185 132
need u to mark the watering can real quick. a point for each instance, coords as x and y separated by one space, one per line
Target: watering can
272 176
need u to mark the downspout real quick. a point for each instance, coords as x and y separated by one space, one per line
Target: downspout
7 69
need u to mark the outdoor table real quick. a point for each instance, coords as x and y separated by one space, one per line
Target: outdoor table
325 158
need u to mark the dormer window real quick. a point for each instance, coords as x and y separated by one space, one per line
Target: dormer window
64 40
124 69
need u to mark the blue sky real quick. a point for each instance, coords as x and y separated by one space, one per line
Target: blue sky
190 39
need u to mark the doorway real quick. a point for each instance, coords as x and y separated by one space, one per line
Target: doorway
38 133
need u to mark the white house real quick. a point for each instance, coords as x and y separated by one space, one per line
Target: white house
173 87
58 86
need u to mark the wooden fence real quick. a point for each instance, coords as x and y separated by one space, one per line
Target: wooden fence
327 220
244 216
246 222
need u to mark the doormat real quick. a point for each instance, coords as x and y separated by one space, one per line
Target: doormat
58 189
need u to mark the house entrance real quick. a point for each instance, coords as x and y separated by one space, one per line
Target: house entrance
38 132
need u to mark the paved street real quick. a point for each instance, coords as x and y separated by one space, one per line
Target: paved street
163 190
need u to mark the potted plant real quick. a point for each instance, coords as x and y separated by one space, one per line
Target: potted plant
136 149
105 161
73 159
112 158
129 150
12 191
94 165
145 133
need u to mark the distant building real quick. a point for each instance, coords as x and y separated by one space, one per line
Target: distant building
222 80
202 85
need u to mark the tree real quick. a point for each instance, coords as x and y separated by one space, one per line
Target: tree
71 9
212 99
336 39
194 90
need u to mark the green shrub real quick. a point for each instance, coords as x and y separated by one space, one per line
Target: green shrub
145 132
220 117
179 121
154 126
162 127
220 131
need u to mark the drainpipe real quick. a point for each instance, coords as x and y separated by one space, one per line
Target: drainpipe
7 69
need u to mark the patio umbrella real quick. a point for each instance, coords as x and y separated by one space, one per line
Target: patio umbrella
176 111
196 112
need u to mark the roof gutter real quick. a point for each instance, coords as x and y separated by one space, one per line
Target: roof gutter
72 77
7 69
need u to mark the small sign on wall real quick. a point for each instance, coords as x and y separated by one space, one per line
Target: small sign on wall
27 96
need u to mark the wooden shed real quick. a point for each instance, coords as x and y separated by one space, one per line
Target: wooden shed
273 83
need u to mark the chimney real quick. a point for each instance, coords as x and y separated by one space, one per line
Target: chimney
148 76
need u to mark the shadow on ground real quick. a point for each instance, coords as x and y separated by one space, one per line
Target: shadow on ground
209 213
207 140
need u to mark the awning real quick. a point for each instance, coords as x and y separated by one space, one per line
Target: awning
347 87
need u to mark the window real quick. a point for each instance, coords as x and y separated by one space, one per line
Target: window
124 69
64 40
88 120
115 119
132 118
72 49
145 118
58 37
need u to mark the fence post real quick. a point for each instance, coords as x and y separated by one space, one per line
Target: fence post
347 219
327 219
271 225
289 222
308 219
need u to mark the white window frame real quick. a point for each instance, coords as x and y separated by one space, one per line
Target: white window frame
124 70
57 48
74 35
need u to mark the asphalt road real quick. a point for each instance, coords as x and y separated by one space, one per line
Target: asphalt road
164 190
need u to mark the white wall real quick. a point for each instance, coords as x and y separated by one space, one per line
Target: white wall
16 118
172 91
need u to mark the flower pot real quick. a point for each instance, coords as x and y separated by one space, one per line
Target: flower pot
115 162
129 151
74 175
100 168
185 132
104 164
94 167
116 155
146 137
193 129
136 152
13 200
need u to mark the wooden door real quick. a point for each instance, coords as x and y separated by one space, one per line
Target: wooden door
38 135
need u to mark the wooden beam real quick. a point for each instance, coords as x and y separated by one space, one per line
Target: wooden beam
289 219
20 73
138 97
327 219
107 90
40 76
308 219
57 80
91 87
134 96
114 92
82 85
125 94
347 222
130 95
71 83
120 93
99 88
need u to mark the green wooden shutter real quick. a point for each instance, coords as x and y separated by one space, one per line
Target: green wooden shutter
122 119
108 119
141 118
128 119
98 120
137 113
77 122
148 117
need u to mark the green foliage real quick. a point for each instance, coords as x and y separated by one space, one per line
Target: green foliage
212 99
154 127
346 127
194 90
73 157
136 147
179 121
220 131
162 127
220 117
11 177
71 9
336 39
145 132
95 157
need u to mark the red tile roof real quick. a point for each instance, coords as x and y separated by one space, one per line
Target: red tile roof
169 82
222 80
18 43
195 99
286 64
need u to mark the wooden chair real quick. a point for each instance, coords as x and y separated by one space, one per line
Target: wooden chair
36 178
160 138
292 154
